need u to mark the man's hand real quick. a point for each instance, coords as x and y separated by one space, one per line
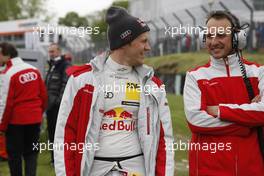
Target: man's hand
212 110
256 99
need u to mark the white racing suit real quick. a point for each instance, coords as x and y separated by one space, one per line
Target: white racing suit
80 118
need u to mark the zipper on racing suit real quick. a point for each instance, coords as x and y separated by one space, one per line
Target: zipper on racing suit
227 67
228 75
148 121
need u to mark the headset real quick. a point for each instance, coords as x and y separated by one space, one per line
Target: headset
239 33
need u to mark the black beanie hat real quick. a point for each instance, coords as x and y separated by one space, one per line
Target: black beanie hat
122 27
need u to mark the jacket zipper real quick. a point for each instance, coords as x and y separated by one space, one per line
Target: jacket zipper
148 121
227 67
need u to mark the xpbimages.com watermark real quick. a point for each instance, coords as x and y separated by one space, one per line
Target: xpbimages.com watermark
80 147
63 30
130 87
211 147
173 31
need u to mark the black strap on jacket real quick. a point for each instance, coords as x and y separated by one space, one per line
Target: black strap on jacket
117 159
251 96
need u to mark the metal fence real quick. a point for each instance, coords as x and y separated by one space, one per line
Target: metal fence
173 14
164 17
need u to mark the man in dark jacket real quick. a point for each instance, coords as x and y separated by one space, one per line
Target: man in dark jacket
56 80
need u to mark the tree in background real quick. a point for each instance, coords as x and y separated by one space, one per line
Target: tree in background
122 3
73 19
32 8
19 9
9 10
98 20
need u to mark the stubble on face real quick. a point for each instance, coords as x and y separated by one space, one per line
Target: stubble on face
137 49
219 38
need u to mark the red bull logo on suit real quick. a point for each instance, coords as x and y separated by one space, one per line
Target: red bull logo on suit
120 120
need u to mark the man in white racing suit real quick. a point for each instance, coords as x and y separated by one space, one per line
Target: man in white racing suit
116 110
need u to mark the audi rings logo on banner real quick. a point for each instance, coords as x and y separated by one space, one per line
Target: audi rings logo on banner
27 77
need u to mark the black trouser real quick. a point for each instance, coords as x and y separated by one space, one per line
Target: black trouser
52 115
20 141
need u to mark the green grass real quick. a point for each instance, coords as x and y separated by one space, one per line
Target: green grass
180 63
180 129
178 116
44 167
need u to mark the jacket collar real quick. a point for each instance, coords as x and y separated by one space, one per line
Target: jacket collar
2 68
56 60
118 68
98 64
10 63
231 60
14 61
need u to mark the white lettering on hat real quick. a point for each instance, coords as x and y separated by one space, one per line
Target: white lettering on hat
142 23
125 34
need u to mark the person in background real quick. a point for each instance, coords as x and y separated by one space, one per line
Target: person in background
56 80
3 153
23 99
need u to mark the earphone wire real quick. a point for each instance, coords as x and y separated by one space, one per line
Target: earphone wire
251 96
